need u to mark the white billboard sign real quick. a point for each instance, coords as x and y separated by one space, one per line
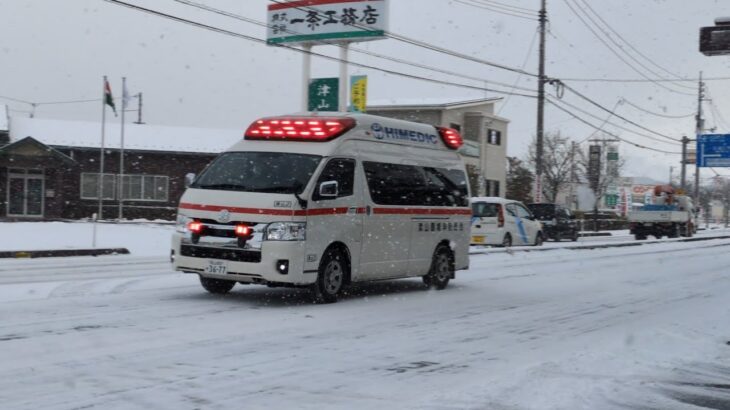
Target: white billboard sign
321 21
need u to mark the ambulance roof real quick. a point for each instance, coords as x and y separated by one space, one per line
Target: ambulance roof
367 128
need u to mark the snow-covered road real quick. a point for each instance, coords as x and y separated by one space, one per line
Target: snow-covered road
642 327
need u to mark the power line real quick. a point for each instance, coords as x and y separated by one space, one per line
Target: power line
355 49
428 46
642 80
15 100
32 103
609 133
656 113
508 6
68 102
507 12
519 77
603 124
608 46
615 114
637 51
716 113
617 44
324 56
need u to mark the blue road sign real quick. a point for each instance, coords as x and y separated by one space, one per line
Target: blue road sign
713 150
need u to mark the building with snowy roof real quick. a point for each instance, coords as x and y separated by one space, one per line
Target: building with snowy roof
49 169
484 133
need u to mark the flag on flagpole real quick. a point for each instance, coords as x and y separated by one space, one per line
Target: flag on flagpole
125 96
108 99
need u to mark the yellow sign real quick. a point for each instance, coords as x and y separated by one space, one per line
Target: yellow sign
358 93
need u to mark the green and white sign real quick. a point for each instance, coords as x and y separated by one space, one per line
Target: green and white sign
323 94
319 21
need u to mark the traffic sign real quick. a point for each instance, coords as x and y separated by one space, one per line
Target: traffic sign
713 150
323 94
715 40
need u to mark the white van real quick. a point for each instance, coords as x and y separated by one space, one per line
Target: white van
503 222
323 201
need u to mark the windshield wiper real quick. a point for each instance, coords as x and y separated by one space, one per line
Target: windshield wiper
274 189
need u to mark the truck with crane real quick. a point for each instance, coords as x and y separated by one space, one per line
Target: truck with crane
672 214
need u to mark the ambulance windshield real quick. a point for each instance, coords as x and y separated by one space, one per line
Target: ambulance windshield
272 172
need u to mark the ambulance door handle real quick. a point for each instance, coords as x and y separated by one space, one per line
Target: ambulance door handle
368 210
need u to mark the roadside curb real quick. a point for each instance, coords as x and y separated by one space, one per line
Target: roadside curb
591 247
63 252
586 234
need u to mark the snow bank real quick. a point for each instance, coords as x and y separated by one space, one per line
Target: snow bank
140 239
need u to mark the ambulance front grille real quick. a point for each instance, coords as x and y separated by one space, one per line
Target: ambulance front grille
236 255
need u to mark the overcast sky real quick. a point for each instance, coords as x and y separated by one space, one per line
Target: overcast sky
59 50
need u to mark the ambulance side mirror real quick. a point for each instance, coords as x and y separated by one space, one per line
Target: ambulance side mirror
328 189
189 179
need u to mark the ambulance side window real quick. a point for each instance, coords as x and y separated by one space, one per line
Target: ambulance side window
341 170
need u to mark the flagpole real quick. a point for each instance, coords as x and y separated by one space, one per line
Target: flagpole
121 150
101 151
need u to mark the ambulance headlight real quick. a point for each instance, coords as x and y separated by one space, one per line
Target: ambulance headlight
181 224
286 231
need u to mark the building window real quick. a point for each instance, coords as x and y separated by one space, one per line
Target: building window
144 187
134 187
455 126
494 137
90 186
492 187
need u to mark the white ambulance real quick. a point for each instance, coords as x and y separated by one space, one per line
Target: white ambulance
324 201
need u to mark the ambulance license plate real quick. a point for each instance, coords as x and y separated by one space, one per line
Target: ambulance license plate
477 239
216 267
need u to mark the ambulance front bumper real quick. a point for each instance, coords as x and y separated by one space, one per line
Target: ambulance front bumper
275 262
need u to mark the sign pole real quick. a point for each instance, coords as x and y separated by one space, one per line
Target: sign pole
700 127
344 48
306 74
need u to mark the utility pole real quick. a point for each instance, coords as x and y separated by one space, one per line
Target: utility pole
683 179
671 172
540 104
699 128
573 201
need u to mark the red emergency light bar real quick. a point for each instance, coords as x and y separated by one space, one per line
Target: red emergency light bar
317 129
450 137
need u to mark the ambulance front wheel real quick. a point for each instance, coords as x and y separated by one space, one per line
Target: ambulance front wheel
442 268
331 277
217 286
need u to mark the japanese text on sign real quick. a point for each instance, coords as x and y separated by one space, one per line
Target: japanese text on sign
321 20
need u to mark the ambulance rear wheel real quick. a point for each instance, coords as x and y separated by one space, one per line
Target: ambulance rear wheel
217 286
442 268
331 278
